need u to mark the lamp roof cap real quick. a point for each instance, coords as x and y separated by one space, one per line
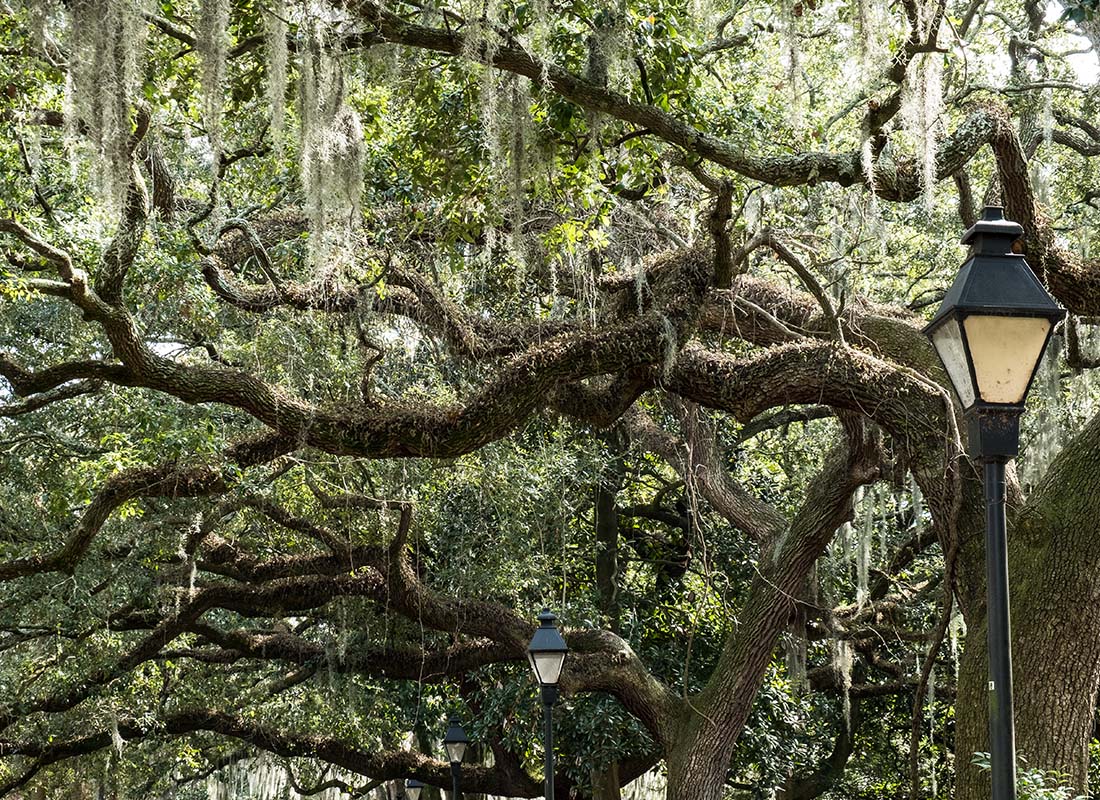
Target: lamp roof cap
993 279
455 733
547 638
993 223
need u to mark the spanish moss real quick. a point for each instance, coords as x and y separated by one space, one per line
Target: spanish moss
332 158
107 40
275 33
212 43
922 104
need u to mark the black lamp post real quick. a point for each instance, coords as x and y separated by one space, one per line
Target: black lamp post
413 788
990 333
455 741
547 654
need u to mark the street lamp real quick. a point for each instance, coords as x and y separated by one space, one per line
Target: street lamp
455 741
413 788
547 654
990 334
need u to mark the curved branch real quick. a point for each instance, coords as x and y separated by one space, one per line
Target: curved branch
166 480
56 256
521 387
902 183
49 397
384 765
813 372
697 461
25 383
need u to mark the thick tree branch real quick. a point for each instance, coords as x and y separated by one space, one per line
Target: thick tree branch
901 183
166 480
384 765
697 462
49 397
521 386
26 383
784 565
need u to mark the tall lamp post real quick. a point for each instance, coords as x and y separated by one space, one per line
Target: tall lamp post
990 334
547 654
413 788
455 741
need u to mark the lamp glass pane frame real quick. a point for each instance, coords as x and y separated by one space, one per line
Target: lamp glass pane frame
455 751
949 341
997 343
979 388
547 665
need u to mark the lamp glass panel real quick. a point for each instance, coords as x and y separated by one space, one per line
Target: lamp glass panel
548 666
455 751
1005 351
947 339
412 793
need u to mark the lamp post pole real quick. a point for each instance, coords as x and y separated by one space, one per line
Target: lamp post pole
549 697
990 333
1002 736
547 655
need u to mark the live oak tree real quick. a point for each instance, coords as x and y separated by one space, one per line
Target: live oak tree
338 337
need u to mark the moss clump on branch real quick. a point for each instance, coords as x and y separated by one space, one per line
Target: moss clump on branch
213 46
106 39
332 157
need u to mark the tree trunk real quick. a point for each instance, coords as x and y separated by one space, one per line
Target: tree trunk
605 783
697 767
607 541
1054 575
700 752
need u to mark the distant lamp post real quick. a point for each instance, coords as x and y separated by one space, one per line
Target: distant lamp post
455 741
990 334
547 654
413 788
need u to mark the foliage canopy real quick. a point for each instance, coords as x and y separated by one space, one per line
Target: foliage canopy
338 338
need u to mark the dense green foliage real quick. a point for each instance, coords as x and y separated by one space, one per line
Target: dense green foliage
513 205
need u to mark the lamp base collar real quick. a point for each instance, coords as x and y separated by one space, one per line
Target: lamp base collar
993 432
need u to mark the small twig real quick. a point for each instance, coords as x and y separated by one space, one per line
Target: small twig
262 256
811 282
56 256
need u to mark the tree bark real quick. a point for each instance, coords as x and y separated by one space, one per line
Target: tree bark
697 766
607 540
701 748
605 782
